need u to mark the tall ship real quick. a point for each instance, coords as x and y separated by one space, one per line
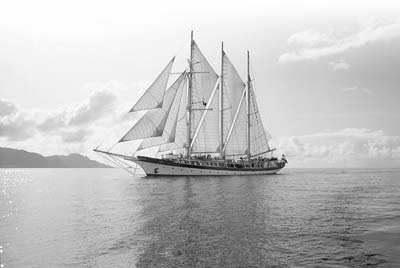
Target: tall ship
202 124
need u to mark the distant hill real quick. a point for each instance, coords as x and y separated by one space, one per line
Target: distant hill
12 158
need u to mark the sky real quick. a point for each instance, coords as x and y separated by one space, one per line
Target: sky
325 74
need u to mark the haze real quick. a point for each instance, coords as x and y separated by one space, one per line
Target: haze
326 74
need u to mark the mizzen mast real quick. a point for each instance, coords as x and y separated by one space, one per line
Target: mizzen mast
248 105
189 103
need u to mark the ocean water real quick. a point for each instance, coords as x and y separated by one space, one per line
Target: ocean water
106 218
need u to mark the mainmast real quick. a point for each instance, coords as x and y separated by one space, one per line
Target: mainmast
248 105
221 105
189 105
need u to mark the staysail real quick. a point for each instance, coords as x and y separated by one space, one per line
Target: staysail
153 122
154 95
258 136
181 126
169 132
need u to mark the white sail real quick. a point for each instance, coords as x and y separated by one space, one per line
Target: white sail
181 126
169 132
206 139
236 143
258 137
153 122
232 92
203 82
154 95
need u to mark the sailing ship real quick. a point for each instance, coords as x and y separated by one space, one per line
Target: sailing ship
202 124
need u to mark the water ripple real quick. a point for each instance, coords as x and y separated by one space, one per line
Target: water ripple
104 218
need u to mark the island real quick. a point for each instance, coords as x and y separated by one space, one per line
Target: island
14 158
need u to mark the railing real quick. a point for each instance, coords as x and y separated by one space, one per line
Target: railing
265 163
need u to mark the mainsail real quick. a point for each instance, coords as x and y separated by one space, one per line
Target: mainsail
153 122
236 143
206 136
204 79
206 139
154 95
233 87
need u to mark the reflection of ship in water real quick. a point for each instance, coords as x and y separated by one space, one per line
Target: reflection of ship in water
206 223
203 124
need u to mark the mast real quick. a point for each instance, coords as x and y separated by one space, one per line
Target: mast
221 105
189 107
248 105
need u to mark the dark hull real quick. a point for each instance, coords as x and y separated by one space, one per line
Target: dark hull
193 167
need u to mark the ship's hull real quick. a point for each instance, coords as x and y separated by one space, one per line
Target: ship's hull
159 167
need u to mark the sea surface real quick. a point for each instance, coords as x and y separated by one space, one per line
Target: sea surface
109 218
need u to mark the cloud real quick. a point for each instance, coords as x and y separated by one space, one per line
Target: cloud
99 104
311 38
74 136
100 118
53 121
341 64
346 147
75 124
7 108
14 125
356 89
314 45
17 127
68 122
